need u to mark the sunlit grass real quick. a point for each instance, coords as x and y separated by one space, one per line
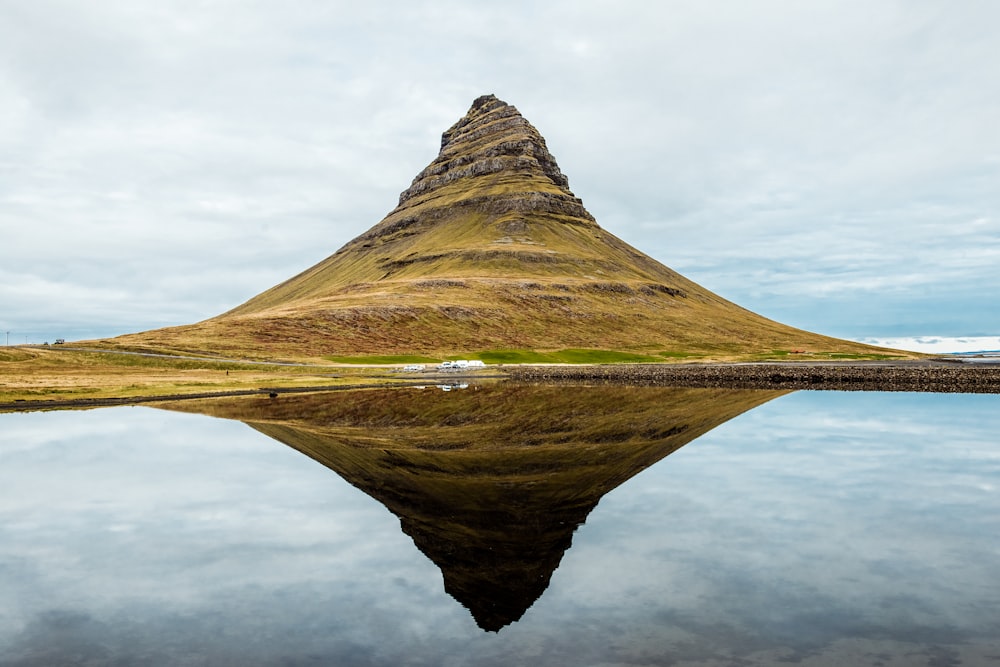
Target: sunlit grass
46 374
521 356
513 357
384 359
677 355
872 357
804 355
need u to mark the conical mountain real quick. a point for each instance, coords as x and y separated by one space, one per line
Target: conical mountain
490 482
493 206
487 249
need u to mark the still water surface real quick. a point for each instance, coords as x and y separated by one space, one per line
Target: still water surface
817 528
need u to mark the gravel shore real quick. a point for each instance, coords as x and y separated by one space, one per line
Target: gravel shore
923 375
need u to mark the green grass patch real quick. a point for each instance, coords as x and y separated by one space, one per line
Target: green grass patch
512 357
567 356
584 356
789 355
677 355
872 357
385 359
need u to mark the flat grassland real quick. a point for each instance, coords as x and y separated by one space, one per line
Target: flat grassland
33 378
37 376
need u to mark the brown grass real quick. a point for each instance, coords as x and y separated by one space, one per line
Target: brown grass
439 318
39 374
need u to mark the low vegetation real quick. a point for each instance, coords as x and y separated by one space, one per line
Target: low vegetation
382 359
46 375
568 356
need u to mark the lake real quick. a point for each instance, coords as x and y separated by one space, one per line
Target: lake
505 524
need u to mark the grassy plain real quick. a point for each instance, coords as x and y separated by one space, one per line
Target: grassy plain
35 374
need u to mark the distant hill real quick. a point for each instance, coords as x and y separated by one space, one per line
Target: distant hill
488 249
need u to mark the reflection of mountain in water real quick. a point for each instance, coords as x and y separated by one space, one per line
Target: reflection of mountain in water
490 482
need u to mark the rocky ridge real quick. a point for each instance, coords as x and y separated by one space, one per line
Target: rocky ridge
492 139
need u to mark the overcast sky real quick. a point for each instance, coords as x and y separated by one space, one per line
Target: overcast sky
833 165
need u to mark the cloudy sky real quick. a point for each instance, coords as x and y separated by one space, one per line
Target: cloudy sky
834 165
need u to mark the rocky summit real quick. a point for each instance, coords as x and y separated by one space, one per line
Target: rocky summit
493 206
488 249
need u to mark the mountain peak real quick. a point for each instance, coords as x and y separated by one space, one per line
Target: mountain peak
493 138
481 106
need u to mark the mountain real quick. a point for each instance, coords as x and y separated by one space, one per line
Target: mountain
487 249
490 482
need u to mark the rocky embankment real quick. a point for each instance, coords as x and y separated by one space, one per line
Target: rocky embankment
928 376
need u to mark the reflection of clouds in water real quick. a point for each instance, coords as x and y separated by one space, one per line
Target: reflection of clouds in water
294 625
22 433
818 527
168 521
799 535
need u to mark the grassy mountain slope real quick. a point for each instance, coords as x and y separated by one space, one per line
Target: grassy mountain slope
487 249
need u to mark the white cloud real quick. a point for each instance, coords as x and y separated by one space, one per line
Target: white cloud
780 153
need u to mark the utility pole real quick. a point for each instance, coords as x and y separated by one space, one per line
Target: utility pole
8 339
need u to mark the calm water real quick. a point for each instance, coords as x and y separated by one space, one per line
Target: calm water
817 528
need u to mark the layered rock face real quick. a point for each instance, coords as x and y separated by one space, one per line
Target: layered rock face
491 138
495 168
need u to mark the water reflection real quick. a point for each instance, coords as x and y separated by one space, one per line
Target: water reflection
819 528
490 482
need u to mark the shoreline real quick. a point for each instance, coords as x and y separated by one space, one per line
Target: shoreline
27 405
42 404
925 375
932 376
